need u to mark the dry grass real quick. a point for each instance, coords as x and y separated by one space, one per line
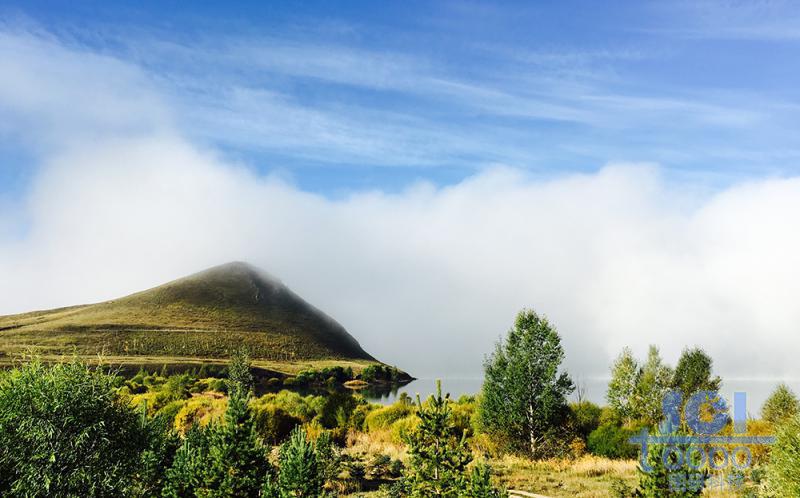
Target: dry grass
375 443
593 466
585 477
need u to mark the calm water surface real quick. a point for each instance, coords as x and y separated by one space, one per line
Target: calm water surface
425 387
594 389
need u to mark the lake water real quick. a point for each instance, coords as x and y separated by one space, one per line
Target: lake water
594 389
425 387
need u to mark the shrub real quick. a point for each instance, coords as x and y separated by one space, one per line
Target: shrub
480 484
384 417
327 455
64 432
585 417
186 474
145 401
620 489
273 423
783 472
611 441
402 428
463 414
159 454
217 385
176 388
202 411
379 373
378 466
359 416
303 407
577 448
335 409
170 411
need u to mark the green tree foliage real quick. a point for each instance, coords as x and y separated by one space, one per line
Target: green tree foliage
652 384
300 473
622 387
186 477
480 484
223 460
675 480
161 446
438 456
611 441
585 417
524 392
64 432
694 373
237 462
781 405
327 456
783 472
380 373
274 424
240 375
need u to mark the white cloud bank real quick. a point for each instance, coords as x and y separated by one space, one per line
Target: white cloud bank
427 278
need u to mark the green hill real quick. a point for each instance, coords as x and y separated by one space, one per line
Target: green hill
201 317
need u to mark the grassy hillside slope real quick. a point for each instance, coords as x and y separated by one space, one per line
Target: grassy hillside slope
205 315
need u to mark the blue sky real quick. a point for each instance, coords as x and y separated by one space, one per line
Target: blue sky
419 170
347 96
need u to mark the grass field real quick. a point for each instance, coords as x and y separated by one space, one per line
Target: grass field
178 363
204 316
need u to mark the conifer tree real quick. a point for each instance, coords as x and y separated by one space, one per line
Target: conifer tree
438 455
677 478
299 467
226 459
480 484
240 376
186 477
237 460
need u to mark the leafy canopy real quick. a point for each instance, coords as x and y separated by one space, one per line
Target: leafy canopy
781 405
694 373
524 391
622 387
65 432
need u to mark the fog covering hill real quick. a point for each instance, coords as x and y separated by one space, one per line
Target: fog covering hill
205 315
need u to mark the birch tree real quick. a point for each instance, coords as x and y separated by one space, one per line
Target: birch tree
524 392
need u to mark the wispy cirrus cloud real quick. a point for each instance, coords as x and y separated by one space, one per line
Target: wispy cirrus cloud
125 196
758 20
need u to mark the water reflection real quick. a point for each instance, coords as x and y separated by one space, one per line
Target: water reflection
592 389
457 387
